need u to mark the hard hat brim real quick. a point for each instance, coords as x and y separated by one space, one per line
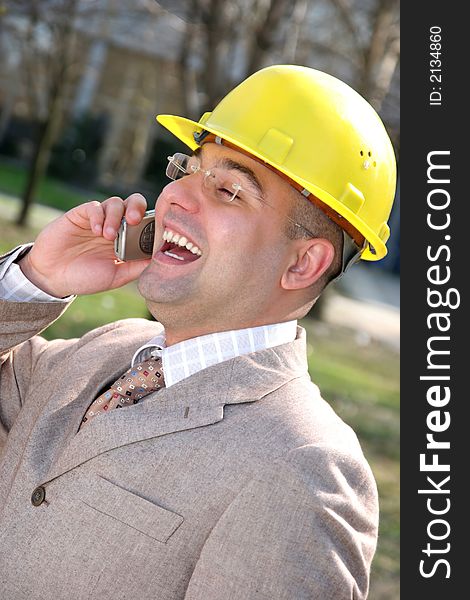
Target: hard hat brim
184 129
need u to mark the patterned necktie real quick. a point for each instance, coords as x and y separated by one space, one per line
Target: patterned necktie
138 381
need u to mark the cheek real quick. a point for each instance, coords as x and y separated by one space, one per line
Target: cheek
254 257
245 243
236 245
238 227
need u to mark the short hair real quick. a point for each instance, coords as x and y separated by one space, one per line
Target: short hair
305 213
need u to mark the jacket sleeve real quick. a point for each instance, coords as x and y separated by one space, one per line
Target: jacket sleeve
20 349
305 529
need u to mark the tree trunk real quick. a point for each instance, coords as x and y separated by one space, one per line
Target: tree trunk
40 161
59 78
212 76
187 78
377 49
264 37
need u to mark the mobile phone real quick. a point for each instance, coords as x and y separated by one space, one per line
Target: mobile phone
135 241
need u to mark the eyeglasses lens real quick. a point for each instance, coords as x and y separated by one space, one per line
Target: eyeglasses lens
177 165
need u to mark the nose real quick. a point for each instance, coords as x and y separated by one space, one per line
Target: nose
183 194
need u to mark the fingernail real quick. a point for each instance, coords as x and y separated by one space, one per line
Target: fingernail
97 228
110 232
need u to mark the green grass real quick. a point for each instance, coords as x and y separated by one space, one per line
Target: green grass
359 381
51 192
89 312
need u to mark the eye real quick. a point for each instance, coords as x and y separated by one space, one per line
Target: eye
229 193
227 189
224 195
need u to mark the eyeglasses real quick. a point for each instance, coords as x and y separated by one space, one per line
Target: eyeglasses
221 184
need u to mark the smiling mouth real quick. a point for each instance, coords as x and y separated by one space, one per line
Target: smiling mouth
178 247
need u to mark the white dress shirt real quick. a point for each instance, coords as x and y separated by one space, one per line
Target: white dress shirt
190 356
179 360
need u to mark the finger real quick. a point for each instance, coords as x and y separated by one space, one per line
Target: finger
136 205
114 211
95 214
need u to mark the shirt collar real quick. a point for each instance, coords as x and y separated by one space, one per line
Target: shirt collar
190 356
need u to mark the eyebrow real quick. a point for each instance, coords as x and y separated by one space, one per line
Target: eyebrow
232 165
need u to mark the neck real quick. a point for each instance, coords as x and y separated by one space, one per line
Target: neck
174 336
178 329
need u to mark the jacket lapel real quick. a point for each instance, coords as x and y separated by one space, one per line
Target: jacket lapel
196 401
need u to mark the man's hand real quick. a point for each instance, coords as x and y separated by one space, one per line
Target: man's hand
74 254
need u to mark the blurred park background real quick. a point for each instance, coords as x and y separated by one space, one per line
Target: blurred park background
80 84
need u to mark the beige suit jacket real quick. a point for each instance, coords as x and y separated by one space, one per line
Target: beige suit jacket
238 482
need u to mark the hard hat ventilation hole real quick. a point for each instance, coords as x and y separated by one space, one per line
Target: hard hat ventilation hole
367 163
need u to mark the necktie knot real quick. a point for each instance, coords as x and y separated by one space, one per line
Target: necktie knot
138 381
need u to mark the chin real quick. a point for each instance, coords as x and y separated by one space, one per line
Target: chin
149 292
148 289
153 310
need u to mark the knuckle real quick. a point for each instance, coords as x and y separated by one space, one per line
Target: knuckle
114 200
136 197
113 203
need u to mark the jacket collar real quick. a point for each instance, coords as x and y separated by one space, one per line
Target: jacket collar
194 402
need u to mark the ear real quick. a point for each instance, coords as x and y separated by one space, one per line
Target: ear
311 259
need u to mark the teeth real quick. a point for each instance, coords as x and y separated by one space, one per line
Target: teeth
180 240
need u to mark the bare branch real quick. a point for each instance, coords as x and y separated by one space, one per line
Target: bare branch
381 47
265 34
299 13
346 14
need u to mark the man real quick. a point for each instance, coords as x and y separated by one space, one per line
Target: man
233 478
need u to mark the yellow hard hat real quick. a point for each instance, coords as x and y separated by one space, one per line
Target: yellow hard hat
319 133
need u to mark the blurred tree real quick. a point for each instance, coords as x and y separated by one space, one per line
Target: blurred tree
377 50
53 50
45 31
74 158
225 41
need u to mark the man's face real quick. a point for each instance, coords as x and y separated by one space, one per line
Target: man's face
234 279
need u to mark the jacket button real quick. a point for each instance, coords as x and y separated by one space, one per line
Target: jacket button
38 496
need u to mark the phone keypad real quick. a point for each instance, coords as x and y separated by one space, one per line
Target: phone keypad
146 238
